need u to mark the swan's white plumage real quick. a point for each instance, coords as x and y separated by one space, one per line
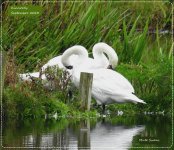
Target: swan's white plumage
99 50
80 51
28 76
56 61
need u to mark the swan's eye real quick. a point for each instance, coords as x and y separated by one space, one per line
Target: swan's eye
69 67
110 67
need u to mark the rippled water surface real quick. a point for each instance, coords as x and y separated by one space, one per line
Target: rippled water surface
120 132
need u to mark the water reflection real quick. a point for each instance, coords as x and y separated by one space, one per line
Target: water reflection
121 136
117 133
84 134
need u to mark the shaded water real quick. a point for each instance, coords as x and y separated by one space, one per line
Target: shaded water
120 132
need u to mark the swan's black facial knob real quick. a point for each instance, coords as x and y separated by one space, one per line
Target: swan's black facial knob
69 67
110 67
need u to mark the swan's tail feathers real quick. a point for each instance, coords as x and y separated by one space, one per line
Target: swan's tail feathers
135 99
141 101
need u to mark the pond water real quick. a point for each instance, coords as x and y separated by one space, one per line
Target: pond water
119 132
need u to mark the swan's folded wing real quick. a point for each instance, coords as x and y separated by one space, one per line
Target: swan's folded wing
110 81
108 97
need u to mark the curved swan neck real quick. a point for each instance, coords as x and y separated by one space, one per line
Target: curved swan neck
101 48
78 50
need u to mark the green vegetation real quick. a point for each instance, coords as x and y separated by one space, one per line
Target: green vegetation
134 30
25 100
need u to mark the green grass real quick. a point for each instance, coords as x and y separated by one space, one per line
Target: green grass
66 24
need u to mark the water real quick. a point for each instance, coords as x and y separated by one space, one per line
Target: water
120 132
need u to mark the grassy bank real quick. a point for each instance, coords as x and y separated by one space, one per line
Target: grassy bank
134 30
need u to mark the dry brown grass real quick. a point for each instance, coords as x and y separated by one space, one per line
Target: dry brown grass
10 70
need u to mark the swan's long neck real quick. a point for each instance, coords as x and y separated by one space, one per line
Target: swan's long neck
78 50
98 52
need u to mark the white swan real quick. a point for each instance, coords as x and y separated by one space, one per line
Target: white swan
108 86
99 61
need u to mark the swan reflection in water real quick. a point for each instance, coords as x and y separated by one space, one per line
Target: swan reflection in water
102 136
119 137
